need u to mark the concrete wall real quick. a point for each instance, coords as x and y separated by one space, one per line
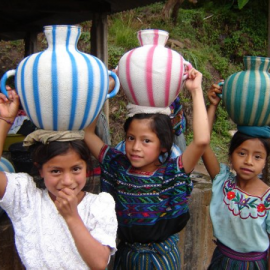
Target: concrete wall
195 244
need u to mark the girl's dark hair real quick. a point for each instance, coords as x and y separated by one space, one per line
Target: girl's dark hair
239 138
161 125
41 153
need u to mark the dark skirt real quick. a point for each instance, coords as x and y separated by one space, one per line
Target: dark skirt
225 258
155 256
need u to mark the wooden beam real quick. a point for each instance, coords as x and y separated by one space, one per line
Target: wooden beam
30 42
99 44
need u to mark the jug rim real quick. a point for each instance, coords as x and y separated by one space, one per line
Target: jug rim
152 29
59 26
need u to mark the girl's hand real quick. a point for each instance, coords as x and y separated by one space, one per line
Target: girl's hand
9 106
194 80
212 94
66 203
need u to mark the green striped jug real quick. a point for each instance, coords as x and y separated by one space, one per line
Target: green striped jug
246 94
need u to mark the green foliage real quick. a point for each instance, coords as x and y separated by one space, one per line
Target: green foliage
115 53
242 3
215 37
123 34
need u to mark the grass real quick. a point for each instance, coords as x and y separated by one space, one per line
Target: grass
215 38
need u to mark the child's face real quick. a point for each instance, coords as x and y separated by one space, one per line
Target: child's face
248 159
64 171
143 146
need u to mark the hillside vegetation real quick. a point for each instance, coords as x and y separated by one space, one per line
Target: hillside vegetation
212 35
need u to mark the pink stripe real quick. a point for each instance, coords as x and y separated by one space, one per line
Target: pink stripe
140 38
129 77
156 36
148 77
168 77
180 79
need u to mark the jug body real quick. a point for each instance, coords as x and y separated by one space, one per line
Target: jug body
62 88
246 94
152 75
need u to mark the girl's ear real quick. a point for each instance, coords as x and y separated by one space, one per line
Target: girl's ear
164 150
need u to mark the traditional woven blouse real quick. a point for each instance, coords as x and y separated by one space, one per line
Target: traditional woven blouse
149 206
240 221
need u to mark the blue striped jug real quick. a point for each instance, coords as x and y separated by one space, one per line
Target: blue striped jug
246 94
5 165
62 88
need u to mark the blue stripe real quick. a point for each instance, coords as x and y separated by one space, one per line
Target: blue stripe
227 98
36 90
91 80
267 113
26 107
239 96
74 82
101 98
54 76
246 95
5 165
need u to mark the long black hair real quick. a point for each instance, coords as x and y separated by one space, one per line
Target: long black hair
240 137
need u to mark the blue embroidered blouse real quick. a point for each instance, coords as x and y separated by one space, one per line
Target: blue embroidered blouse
150 207
240 221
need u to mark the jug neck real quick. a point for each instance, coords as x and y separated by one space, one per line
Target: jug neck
62 35
257 63
152 37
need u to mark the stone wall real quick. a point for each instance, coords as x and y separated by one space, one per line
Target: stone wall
196 245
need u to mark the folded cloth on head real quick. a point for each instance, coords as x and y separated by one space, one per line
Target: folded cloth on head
254 131
47 136
136 109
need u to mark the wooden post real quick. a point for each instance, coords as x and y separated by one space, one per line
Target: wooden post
30 41
99 44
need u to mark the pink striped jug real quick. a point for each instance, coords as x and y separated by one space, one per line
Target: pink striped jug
152 75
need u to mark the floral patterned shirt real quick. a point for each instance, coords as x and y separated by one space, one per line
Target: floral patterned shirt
240 221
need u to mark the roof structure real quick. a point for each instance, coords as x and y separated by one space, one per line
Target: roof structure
19 17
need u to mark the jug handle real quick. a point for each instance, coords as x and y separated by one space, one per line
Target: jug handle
220 84
7 74
116 85
187 67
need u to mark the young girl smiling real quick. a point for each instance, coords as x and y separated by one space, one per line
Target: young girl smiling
240 202
151 195
61 226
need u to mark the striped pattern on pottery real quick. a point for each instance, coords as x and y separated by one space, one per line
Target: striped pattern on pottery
62 88
246 94
6 166
151 75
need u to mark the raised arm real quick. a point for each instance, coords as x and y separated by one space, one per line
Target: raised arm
8 111
209 158
93 142
201 134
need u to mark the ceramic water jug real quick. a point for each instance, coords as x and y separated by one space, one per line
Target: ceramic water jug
246 94
152 75
5 165
62 88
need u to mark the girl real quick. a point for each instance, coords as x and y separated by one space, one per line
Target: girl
240 203
60 227
151 197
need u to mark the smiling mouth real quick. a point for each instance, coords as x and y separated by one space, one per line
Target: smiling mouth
66 187
135 157
246 170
